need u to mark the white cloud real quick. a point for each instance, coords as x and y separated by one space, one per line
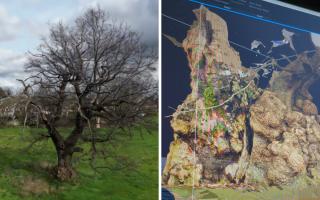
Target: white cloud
141 15
9 25
35 1
11 67
22 23
315 39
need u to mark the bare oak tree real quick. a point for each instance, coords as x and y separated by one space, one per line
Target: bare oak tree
97 67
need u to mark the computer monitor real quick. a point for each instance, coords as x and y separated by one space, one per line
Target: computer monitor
240 99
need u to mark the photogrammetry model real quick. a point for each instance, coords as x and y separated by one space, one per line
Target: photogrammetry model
230 130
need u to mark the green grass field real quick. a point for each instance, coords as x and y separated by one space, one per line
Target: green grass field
23 174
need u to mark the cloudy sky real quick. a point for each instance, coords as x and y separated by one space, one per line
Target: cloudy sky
24 22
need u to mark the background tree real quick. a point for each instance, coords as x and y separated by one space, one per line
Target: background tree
100 68
5 92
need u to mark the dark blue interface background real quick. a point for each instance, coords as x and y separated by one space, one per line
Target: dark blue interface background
247 21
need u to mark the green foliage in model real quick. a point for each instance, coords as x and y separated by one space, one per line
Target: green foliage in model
209 97
220 127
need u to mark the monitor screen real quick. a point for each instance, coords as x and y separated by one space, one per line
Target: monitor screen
240 99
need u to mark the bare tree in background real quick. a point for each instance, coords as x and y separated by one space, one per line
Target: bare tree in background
98 66
5 92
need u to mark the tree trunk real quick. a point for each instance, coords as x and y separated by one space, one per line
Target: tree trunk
64 170
37 120
65 149
244 159
98 122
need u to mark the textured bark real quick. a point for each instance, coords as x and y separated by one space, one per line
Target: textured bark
243 160
64 169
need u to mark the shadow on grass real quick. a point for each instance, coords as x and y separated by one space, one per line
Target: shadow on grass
136 177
